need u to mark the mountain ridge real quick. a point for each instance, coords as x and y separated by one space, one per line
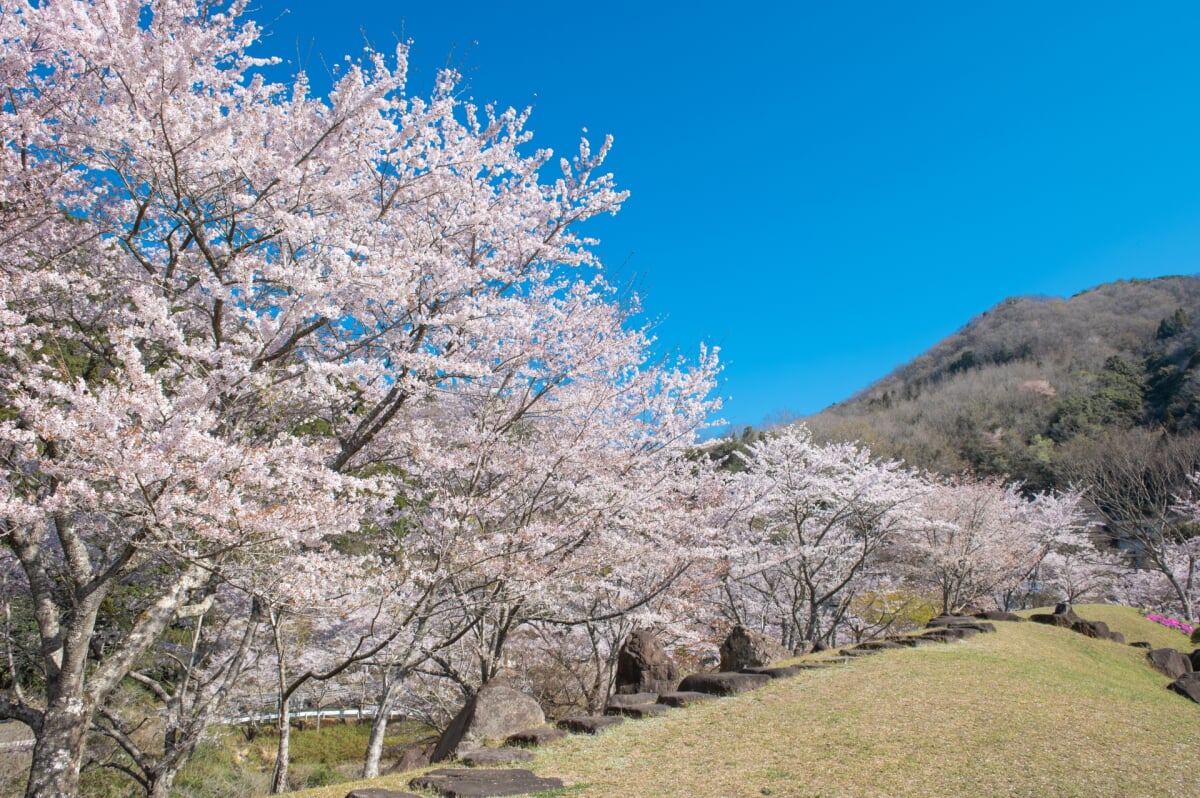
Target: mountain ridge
1015 388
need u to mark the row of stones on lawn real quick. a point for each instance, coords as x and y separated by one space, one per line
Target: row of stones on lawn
694 689
642 664
1182 668
497 707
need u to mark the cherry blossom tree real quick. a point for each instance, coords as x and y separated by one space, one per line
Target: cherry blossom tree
982 540
561 486
220 293
808 522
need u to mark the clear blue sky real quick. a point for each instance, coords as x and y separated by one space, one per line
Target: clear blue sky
824 190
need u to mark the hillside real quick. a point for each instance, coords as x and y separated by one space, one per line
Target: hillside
1028 387
1030 710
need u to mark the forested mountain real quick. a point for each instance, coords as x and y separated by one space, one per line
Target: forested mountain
1042 389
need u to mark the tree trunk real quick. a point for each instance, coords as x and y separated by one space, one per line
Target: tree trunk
160 787
379 727
58 752
279 776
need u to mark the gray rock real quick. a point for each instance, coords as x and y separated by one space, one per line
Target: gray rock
999 615
960 622
644 667
589 724
631 700
784 672
1096 629
878 645
493 713
412 758
475 783
483 757
949 619
684 699
948 633
1188 685
1170 662
746 649
536 737
638 711
723 683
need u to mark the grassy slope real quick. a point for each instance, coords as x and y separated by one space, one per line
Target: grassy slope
1032 710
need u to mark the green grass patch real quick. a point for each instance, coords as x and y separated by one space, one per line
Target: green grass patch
1030 710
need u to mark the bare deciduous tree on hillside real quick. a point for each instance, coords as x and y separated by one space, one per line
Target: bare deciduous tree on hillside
1135 480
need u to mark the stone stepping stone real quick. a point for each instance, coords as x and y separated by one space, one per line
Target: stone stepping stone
855 653
631 700
782 672
1188 685
878 645
589 724
829 661
377 792
1052 619
486 757
922 640
999 615
723 683
533 738
1171 662
958 622
948 633
904 641
684 699
639 711
474 783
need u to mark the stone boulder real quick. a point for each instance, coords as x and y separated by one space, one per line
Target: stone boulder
1195 658
644 667
411 758
1170 662
1188 685
1096 629
639 711
684 699
490 757
960 622
493 713
945 634
589 724
879 645
474 783
746 649
724 683
784 672
1052 619
631 699
536 737
999 615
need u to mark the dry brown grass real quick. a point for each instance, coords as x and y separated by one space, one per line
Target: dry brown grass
1029 711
